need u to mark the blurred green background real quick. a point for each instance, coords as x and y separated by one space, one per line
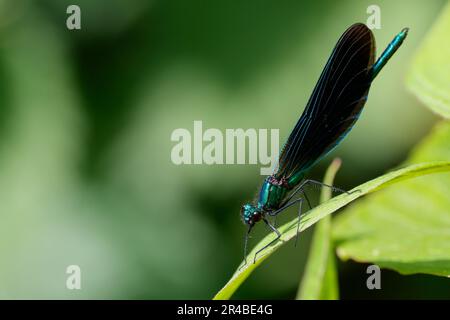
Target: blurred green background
85 124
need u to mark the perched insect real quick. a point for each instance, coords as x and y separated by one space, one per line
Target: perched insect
332 110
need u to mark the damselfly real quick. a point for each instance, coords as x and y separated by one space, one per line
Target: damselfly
332 110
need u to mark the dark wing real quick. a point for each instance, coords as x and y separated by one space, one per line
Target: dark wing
335 103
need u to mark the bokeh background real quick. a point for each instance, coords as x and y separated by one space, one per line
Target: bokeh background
85 124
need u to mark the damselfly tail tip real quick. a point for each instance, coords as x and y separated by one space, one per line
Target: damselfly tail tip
405 31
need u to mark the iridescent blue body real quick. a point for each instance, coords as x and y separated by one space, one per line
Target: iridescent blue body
389 52
271 197
327 118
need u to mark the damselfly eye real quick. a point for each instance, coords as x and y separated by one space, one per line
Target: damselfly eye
244 215
247 213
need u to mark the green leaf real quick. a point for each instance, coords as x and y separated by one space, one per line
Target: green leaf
330 287
289 229
320 274
405 228
429 76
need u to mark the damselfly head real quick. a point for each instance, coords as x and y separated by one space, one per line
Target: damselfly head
250 214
